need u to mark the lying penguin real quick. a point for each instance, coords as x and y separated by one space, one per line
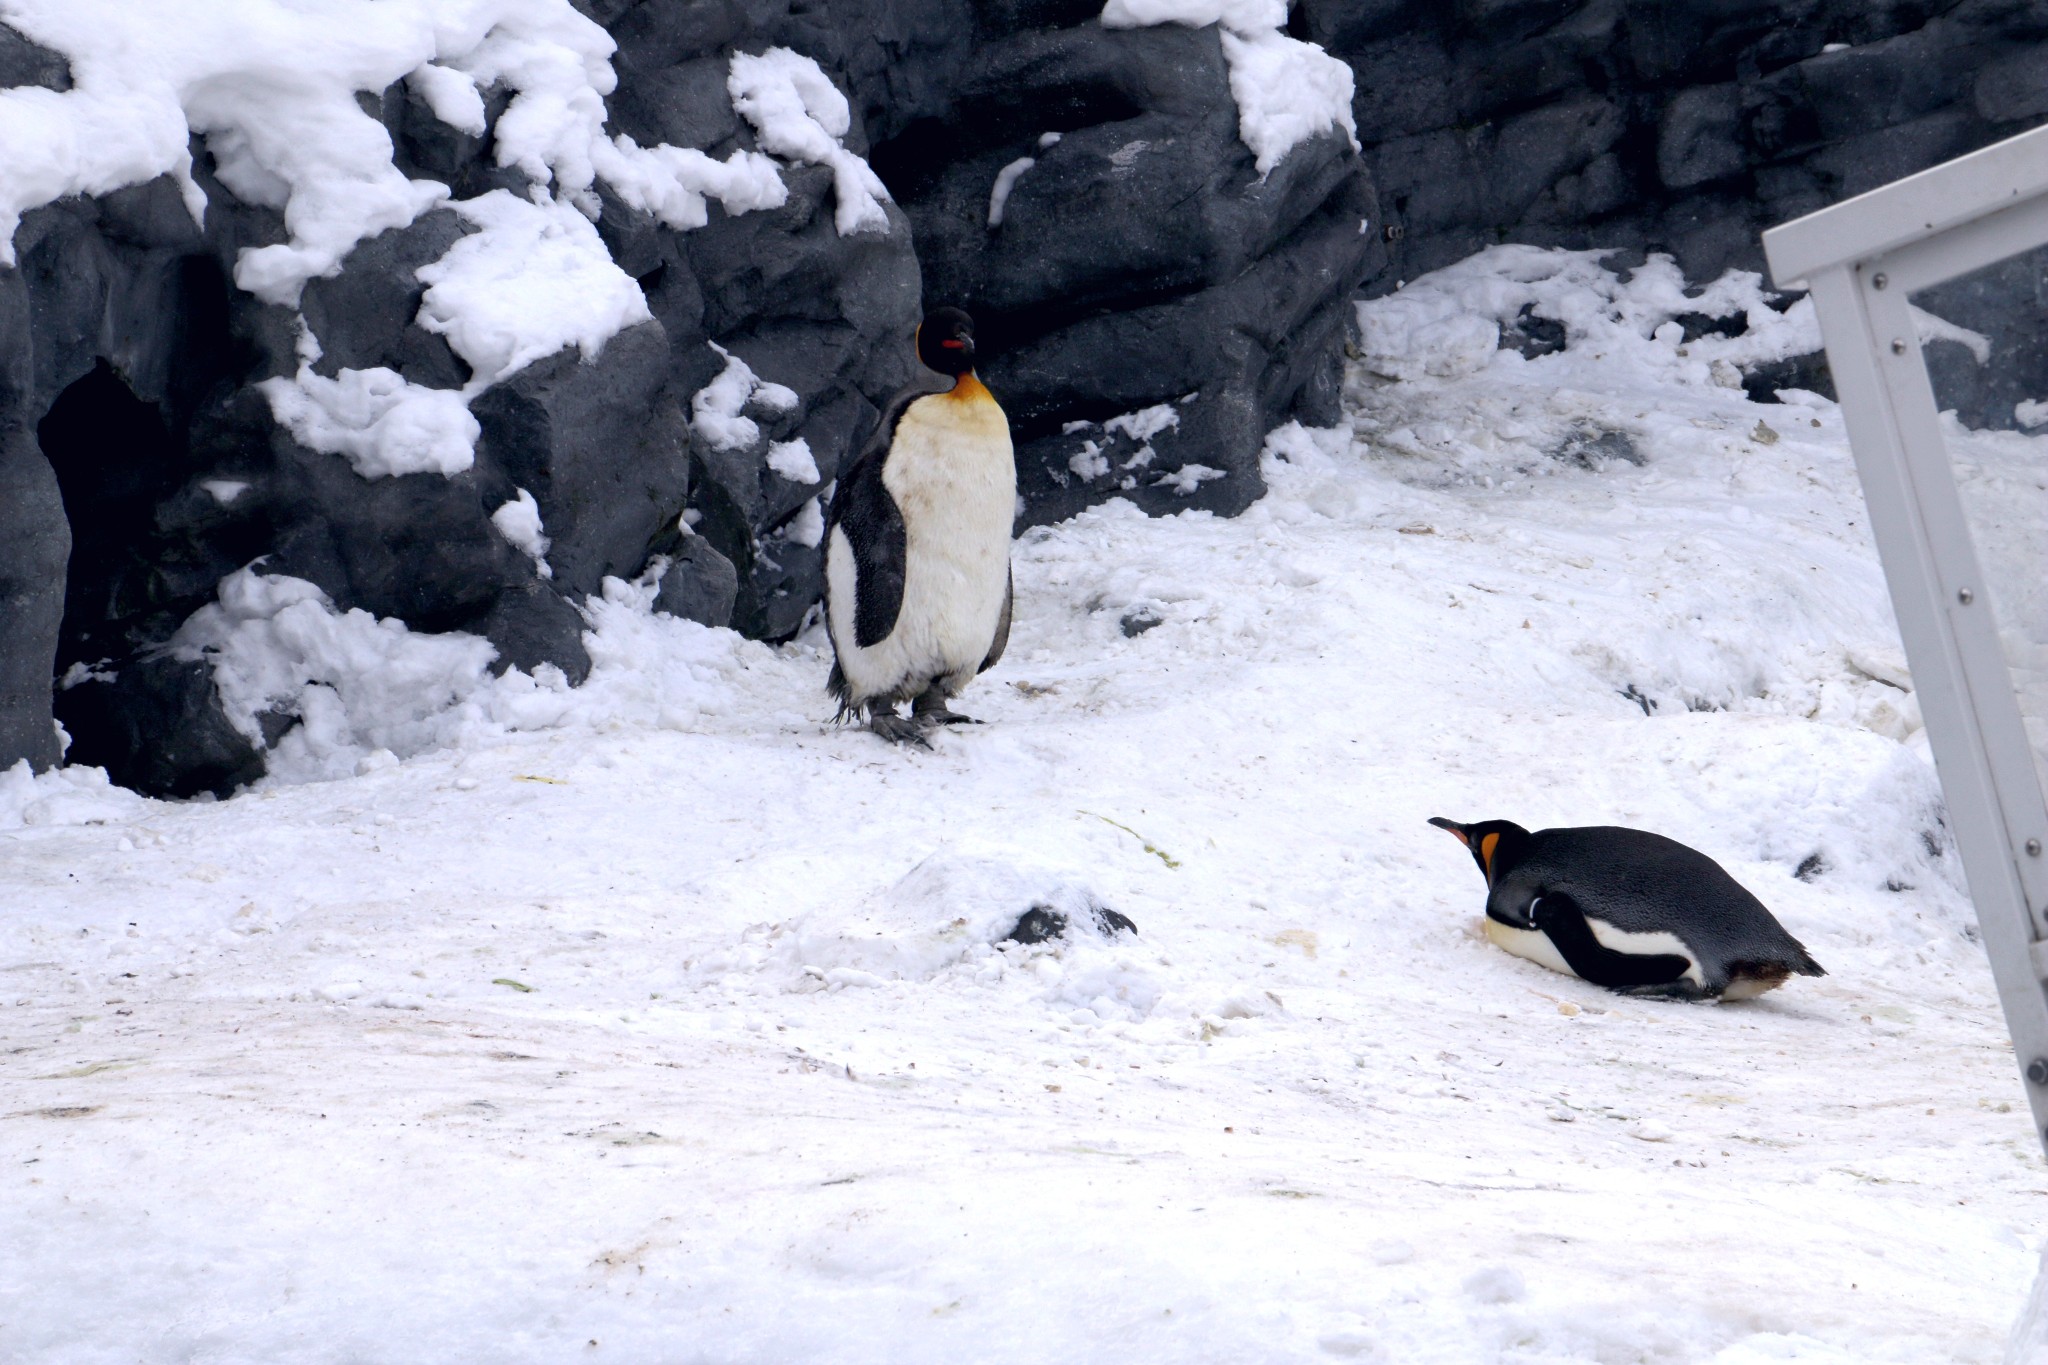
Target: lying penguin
1629 910
917 550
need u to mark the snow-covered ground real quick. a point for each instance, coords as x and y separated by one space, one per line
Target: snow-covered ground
661 1021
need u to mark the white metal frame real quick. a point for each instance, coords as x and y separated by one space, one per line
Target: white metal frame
1862 259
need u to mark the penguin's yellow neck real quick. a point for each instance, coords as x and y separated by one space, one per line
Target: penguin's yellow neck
969 389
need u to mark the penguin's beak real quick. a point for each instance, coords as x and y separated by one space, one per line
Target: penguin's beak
1454 827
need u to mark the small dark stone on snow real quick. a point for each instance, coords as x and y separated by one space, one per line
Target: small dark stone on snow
1136 623
1042 922
1038 924
1114 921
1594 450
1532 334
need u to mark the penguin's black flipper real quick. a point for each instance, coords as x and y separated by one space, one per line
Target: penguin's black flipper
874 524
874 531
1002 640
1560 917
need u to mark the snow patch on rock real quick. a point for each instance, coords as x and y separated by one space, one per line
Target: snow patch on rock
1006 180
1145 423
355 682
807 527
383 423
533 280
1448 323
717 414
793 460
519 522
1287 91
798 114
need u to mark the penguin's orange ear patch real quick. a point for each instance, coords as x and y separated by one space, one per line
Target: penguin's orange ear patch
1486 846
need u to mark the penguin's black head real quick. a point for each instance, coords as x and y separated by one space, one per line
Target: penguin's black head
945 341
1496 845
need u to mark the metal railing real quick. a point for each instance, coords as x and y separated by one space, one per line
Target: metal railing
1862 260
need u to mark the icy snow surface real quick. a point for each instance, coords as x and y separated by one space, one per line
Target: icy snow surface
662 1015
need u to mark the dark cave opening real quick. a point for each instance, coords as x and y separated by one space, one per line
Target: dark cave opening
115 458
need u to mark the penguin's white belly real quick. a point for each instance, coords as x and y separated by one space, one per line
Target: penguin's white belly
953 477
1533 944
1536 946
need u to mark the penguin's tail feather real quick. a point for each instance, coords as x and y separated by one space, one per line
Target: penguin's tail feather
1797 962
849 709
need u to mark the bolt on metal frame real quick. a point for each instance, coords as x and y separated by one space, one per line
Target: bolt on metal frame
1861 260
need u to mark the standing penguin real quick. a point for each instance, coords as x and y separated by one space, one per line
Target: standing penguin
917 546
1629 910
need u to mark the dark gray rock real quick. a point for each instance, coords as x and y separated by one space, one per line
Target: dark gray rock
1405 85
2013 87
24 63
531 625
1721 117
1700 139
1138 620
1884 84
1139 260
1043 923
1857 164
791 263
419 547
35 542
1232 361
157 726
603 447
686 105
1983 396
150 215
699 584
363 317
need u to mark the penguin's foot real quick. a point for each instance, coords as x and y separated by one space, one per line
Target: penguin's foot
897 730
930 709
